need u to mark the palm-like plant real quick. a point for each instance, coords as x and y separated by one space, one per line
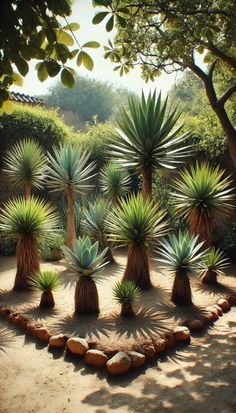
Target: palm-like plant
114 181
181 255
203 196
69 171
45 281
85 261
25 166
94 224
138 224
147 139
213 264
27 221
126 293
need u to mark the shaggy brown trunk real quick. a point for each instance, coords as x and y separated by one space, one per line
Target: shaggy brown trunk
86 296
27 261
70 218
147 184
210 277
47 300
56 254
27 190
181 290
127 310
137 268
203 228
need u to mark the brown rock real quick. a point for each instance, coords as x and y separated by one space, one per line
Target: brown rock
119 364
77 345
92 344
58 341
110 352
223 304
207 317
231 300
160 346
195 325
181 333
22 321
137 359
214 313
219 310
42 333
147 349
169 340
5 311
96 358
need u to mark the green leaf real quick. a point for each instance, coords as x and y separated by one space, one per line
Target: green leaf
110 24
200 49
98 18
7 107
67 78
22 66
121 21
103 2
93 45
42 72
72 26
17 79
79 60
85 59
65 38
73 53
53 68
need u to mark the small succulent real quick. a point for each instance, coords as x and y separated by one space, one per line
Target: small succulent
45 281
126 293
115 181
212 265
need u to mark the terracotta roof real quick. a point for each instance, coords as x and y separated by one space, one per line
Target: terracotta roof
22 98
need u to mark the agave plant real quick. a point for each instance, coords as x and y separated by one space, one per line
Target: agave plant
213 264
126 293
181 255
203 196
27 221
147 139
69 171
94 224
85 261
114 181
25 166
45 281
138 224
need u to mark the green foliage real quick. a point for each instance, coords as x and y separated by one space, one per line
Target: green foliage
7 247
94 220
50 249
126 292
225 238
45 281
84 258
214 260
136 221
77 215
114 180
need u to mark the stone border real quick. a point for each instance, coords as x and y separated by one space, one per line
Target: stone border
119 362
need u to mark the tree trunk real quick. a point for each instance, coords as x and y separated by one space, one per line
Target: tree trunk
210 277
147 184
203 228
27 261
70 218
181 290
127 310
47 300
86 296
27 190
109 256
137 268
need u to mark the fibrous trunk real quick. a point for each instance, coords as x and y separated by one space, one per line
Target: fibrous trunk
137 268
109 256
47 300
27 261
127 310
70 218
181 290
27 190
86 296
202 226
210 277
147 184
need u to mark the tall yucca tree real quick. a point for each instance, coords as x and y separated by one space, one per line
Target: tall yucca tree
27 221
25 166
94 224
203 195
180 255
148 138
138 224
70 172
115 181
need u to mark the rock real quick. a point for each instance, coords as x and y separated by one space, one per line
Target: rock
42 333
214 313
92 344
58 341
181 333
147 349
5 311
77 345
14 319
137 359
219 309
223 304
22 321
169 340
119 364
110 352
195 325
160 346
231 300
96 358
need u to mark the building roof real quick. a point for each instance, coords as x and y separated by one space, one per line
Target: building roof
22 98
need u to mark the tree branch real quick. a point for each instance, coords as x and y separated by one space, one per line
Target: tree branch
223 99
226 58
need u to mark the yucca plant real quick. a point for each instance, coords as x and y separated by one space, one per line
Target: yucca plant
25 166
115 181
212 265
203 195
180 255
126 293
148 138
27 221
138 224
85 261
70 172
51 249
47 282
77 213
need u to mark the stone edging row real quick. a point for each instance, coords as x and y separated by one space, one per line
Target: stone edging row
121 361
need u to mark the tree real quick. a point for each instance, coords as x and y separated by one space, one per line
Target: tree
46 282
168 35
212 265
114 181
126 293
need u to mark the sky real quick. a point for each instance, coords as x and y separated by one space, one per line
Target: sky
83 13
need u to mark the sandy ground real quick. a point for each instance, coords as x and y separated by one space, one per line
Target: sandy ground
155 312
